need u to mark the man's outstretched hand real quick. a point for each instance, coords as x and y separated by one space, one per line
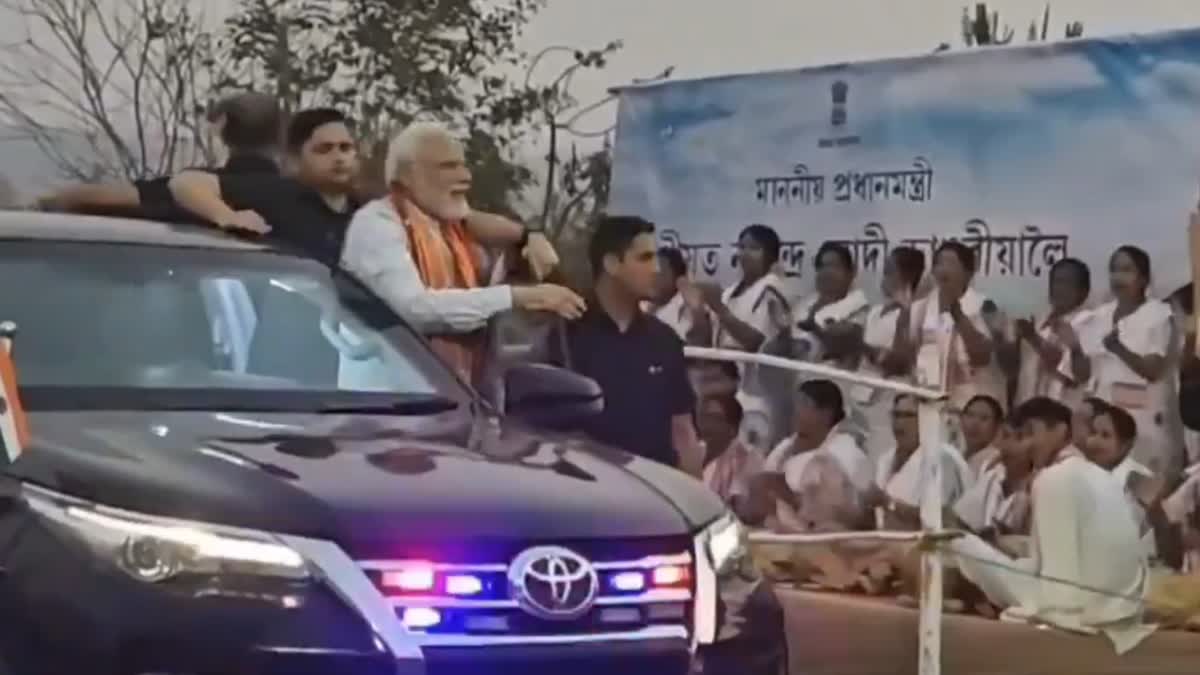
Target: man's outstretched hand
549 298
540 255
245 221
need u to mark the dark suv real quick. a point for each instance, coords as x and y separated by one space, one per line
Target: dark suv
242 462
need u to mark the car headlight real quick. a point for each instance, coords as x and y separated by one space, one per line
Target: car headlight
155 549
727 544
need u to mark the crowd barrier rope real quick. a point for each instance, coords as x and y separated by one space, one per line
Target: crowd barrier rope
930 411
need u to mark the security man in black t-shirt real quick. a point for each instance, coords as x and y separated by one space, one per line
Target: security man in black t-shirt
249 125
309 210
636 359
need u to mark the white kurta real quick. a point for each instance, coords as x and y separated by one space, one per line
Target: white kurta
905 485
752 307
852 308
984 505
875 405
755 307
1035 380
845 450
1123 474
1147 331
807 473
675 314
779 384
1180 509
729 474
979 462
1191 445
1086 573
941 355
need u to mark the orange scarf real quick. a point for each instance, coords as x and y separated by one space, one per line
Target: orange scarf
10 408
429 242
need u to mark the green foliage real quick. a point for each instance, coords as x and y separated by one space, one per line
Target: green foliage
387 62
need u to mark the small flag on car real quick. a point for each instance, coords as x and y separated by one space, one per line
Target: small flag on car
14 429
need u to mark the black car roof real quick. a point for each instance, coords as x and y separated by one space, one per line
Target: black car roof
36 225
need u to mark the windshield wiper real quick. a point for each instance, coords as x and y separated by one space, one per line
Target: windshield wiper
399 404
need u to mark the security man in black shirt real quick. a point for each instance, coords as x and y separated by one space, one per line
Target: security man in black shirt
636 359
248 124
310 210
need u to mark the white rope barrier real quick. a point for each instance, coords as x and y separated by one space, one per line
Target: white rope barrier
929 412
864 535
816 369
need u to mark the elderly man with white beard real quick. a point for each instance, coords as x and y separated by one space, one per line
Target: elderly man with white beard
414 250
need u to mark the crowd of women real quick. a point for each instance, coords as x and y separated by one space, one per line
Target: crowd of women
799 454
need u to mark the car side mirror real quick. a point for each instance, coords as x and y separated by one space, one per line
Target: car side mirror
549 397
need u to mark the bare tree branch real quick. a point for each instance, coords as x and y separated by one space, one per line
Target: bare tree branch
109 88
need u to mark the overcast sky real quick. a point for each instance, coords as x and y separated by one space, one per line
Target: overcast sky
710 37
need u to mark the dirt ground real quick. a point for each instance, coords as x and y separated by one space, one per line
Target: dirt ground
836 634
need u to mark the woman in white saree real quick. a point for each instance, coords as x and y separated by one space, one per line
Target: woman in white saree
1046 366
816 479
827 327
886 339
981 423
898 478
955 350
1125 348
833 311
746 316
997 503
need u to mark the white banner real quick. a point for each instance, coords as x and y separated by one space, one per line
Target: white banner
1025 154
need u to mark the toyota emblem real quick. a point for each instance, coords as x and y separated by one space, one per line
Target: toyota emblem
551 582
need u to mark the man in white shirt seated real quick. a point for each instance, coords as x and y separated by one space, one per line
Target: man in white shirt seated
1086 572
413 250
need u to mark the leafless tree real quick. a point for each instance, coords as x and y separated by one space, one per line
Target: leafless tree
109 88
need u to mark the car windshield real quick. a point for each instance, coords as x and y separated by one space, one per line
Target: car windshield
127 326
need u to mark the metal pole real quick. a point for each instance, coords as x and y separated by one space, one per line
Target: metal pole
930 628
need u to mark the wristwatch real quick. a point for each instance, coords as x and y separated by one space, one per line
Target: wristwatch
525 234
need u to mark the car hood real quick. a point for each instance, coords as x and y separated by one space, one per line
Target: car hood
364 481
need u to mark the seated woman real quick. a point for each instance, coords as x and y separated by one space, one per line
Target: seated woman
1175 518
897 489
730 463
816 479
1113 435
1174 596
997 503
1084 572
981 422
827 327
